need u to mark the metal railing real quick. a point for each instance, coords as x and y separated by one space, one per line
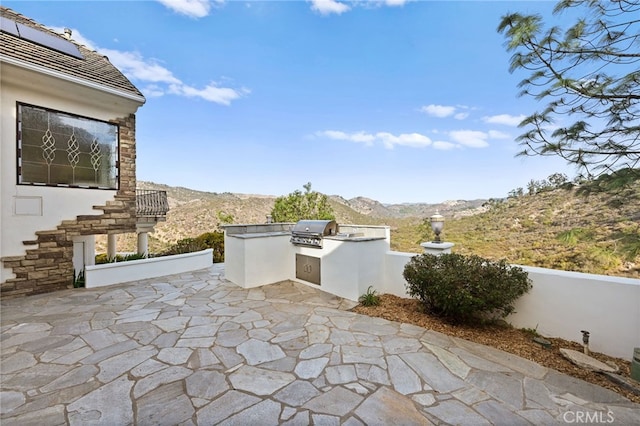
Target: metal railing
151 202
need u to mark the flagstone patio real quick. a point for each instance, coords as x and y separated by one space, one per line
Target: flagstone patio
195 349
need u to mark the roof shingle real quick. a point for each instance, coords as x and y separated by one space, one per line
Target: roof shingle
94 68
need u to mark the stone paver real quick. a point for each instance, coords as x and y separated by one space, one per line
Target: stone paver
194 349
585 361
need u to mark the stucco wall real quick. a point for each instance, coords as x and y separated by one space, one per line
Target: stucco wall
265 259
347 267
49 217
563 303
142 269
394 282
261 254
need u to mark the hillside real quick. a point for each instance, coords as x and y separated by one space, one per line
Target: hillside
373 208
560 229
557 228
195 212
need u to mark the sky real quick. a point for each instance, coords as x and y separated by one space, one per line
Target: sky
394 100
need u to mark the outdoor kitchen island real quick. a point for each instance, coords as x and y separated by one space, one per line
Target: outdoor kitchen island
342 260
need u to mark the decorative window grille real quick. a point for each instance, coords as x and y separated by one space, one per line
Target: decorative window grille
62 149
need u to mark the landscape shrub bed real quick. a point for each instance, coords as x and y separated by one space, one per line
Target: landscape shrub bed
103 258
213 240
465 288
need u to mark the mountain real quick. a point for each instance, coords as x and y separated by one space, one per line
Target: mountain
253 208
195 212
557 228
373 208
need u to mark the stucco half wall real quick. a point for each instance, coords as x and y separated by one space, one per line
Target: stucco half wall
561 304
142 269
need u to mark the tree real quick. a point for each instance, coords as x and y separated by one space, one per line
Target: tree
225 218
588 75
557 180
297 206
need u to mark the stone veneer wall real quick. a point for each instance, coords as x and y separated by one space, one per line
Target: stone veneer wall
49 267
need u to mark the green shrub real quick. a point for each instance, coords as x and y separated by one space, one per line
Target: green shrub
465 288
78 279
298 205
132 256
103 258
214 240
370 298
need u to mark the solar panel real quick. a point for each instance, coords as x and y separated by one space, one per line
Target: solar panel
8 26
47 40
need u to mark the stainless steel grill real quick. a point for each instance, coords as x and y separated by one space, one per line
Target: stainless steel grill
311 232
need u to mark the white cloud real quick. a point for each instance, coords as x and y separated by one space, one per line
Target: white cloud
470 138
496 134
389 140
476 138
457 138
440 111
415 140
395 2
76 37
505 119
360 137
134 66
444 145
211 93
153 91
191 8
157 79
327 7
459 112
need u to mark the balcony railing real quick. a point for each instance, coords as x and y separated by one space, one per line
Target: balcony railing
151 202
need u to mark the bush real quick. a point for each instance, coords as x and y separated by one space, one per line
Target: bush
102 258
214 240
370 298
78 279
465 288
298 205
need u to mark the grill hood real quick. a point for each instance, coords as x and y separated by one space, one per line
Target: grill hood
310 232
316 227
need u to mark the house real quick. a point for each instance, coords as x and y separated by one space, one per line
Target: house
67 156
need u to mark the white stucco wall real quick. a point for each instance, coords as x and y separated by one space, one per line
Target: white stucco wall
394 282
25 209
254 257
134 270
234 260
562 303
348 268
266 259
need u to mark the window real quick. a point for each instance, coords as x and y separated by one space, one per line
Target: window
61 149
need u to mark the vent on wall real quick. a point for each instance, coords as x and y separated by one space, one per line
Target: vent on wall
40 37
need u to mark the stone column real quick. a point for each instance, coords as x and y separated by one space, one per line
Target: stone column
111 246
143 243
437 249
